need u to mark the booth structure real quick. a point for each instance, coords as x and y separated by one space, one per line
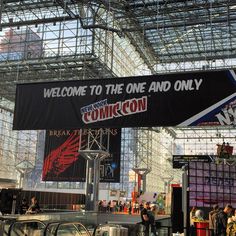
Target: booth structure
204 185
202 228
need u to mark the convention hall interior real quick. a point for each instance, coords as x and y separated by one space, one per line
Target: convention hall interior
45 41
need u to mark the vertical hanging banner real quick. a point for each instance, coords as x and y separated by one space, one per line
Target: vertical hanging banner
184 99
63 162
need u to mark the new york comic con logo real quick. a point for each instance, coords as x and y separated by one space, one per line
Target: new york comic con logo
102 110
227 116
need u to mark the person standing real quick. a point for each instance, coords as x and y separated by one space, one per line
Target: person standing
23 207
109 206
231 226
212 217
100 206
192 215
34 207
120 206
137 207
141 207
130 208
151 216
145 218
221 221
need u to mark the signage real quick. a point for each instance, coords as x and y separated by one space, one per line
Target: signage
179 161
183 99
63 162
211 183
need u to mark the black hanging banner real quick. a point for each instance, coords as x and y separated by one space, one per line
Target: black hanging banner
184 99
63 162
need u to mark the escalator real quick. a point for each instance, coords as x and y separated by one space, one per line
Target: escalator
59 228
26 228
66 229
39 228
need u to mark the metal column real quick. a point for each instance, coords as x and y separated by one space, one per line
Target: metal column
93 157
143 173
95 150
88 187
1 8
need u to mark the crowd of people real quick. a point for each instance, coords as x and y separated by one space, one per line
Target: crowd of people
222 222
146 210
115 206
122 207
31 208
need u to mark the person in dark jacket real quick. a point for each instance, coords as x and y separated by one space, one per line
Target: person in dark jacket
212 217
130 208
23 207
145 218
151 216
34 207
221 221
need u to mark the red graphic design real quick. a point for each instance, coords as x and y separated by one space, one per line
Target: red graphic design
111 111
62 157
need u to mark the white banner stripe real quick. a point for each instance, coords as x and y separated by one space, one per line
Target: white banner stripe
233 74
206 111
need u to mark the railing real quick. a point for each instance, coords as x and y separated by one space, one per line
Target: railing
57 228
26 227
191 231
65 228
84 222
167 230
39 228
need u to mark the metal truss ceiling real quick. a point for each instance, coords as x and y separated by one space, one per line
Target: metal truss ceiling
174 31
180 31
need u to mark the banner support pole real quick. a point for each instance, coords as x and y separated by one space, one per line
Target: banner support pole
94 156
